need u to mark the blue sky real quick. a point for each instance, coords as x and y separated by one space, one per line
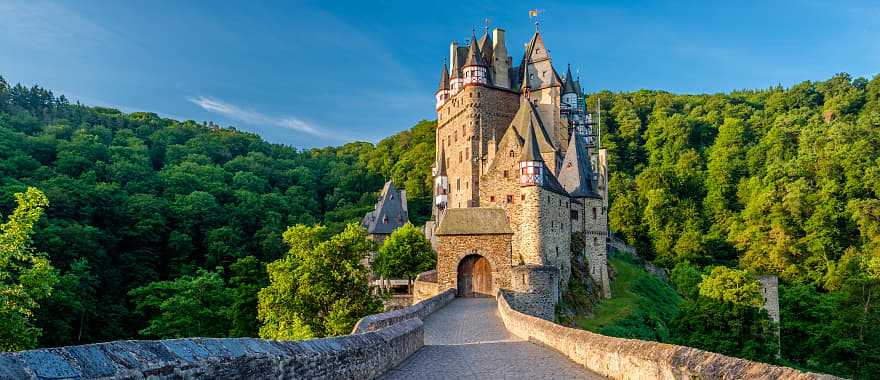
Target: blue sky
323 73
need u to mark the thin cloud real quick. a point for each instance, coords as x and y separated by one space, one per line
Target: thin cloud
256 118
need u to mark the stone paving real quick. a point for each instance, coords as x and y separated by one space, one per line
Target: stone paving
467 340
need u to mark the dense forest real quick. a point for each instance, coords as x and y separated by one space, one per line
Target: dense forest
136 201
784 181
715 188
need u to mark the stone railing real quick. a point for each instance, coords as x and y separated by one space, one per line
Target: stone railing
619 358
425 286
419 311
359 356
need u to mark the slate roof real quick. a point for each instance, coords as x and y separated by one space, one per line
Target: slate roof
569 86
527 115
474 58
530 150
441 166
485 45
444 79
576 175
474 221
390 212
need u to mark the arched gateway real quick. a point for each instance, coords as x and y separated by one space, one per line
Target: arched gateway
474 277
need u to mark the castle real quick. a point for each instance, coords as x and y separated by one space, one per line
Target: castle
518 177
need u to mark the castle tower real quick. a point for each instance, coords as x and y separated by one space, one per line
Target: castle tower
441 185
542 85
456 80
569 91
500 60
442 94
590 218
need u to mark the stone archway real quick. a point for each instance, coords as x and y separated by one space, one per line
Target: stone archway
474 277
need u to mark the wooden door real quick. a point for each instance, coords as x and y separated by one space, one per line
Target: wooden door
474 277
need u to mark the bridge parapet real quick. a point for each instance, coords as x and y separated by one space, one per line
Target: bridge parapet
420 310
362 356
619 358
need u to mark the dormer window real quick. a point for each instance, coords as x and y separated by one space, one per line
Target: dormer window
385 219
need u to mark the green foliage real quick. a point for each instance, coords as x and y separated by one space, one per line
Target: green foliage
248 277
404 254
686 279
641 305
729 328
190 306
26 277
142 199
320 288
731 285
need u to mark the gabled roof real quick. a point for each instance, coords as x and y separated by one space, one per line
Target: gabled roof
576 175
474 221
390 212
444 79
569 86
527 115
485 45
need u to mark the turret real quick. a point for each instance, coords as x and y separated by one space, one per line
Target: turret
441 183
456 81
531 165
443 89
569 91
474 69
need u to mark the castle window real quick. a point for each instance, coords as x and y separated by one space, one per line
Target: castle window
492 198
603 210
459 156
594 213
512 154
506 173
595 241
458 184
522 197
510 198
574 215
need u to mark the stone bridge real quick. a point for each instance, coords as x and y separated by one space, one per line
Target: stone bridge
441 337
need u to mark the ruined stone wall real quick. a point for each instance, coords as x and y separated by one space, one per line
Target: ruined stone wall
360 356
465 125
452 248
619 358
770 291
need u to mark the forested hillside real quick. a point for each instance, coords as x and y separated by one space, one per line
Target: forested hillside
717 188
777 181
135 198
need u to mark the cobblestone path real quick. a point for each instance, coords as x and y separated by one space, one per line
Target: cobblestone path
467 340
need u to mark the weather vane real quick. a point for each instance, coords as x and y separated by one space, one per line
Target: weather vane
486 23
534 14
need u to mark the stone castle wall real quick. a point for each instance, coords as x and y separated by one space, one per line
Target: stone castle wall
535 290
465 126
452 248
619 358
595 227
360 356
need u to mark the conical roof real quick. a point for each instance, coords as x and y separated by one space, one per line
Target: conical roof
444 79
569 85
576 175
441 166
485 46
473 54
530 151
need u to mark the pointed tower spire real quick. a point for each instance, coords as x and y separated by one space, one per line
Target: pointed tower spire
444 78
568 86
473 55
576 175
531 151
531 164
441 166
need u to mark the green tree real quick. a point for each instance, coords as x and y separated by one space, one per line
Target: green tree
26 277
731 285
319 288
189 306
404 254
248 277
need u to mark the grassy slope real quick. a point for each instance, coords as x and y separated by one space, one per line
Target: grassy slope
641 305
